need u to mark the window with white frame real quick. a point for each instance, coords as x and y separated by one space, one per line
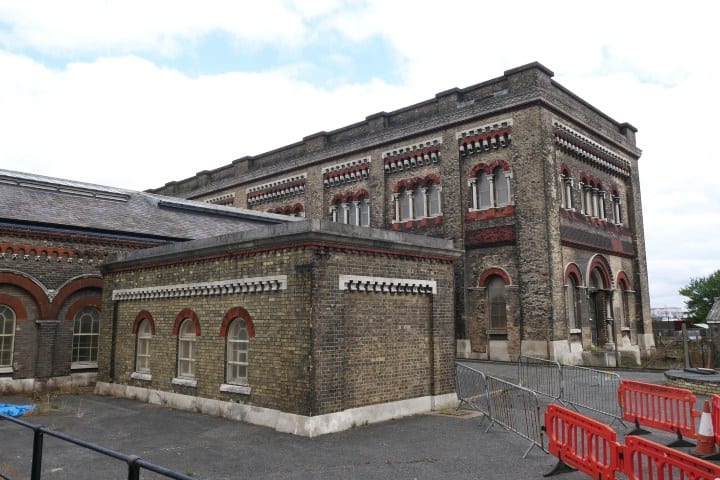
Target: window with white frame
592 201
186 349
617 211
422 200
351 211
142 349
491 190
86 338
237 353
566 191
7 337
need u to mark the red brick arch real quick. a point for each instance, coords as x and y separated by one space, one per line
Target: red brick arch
32 287
72 286
622 279
143 315
488 169
80 303
15 304
600 263
231 315
573 270
186 313
494 271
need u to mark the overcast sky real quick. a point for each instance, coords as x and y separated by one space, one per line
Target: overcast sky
134 94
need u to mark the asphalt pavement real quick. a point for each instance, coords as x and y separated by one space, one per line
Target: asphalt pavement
449 444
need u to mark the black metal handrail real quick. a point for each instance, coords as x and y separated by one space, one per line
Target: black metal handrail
134 463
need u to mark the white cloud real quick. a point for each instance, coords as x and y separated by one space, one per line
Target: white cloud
648 64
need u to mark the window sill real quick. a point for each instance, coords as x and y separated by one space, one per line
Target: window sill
575 331
185 382
497 332
229 388
141 376
84 365
6 370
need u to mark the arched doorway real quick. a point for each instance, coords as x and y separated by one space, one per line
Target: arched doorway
600 302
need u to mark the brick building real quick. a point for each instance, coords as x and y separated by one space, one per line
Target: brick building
54 235
308 327
537 187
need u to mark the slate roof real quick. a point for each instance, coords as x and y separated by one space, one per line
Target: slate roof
30 199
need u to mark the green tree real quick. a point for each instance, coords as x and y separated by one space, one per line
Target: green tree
701 293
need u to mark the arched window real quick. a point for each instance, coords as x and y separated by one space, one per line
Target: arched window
497 300
7 336
365 213
624 300
419 203
571 302
142 349
502 187
484 193
237 353
433 195
85 337
186 349
406 205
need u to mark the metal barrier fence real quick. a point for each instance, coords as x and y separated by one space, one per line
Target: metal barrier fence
134 464
517 409
592 389
541 376
472 388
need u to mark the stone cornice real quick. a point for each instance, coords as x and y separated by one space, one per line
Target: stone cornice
489 107
272 283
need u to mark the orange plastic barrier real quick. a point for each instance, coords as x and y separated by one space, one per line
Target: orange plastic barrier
582 443
657 406
646 460
715 413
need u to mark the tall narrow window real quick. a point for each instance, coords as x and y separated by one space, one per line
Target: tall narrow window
502 187
485 197
7 336
571 303
617 215
237 353
142 356
419 202
186 349
85 337
365 213
354 216
433 194
406 205
497 299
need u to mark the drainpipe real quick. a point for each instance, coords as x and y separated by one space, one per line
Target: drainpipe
113 341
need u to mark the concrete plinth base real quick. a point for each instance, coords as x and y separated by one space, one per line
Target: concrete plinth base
282 421
566 352
498 350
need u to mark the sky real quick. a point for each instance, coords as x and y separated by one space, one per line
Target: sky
134 94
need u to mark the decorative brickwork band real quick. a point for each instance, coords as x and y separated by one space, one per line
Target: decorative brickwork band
276 190
271 283
224 199
485 137
584 148
346 172
356 283
412 156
